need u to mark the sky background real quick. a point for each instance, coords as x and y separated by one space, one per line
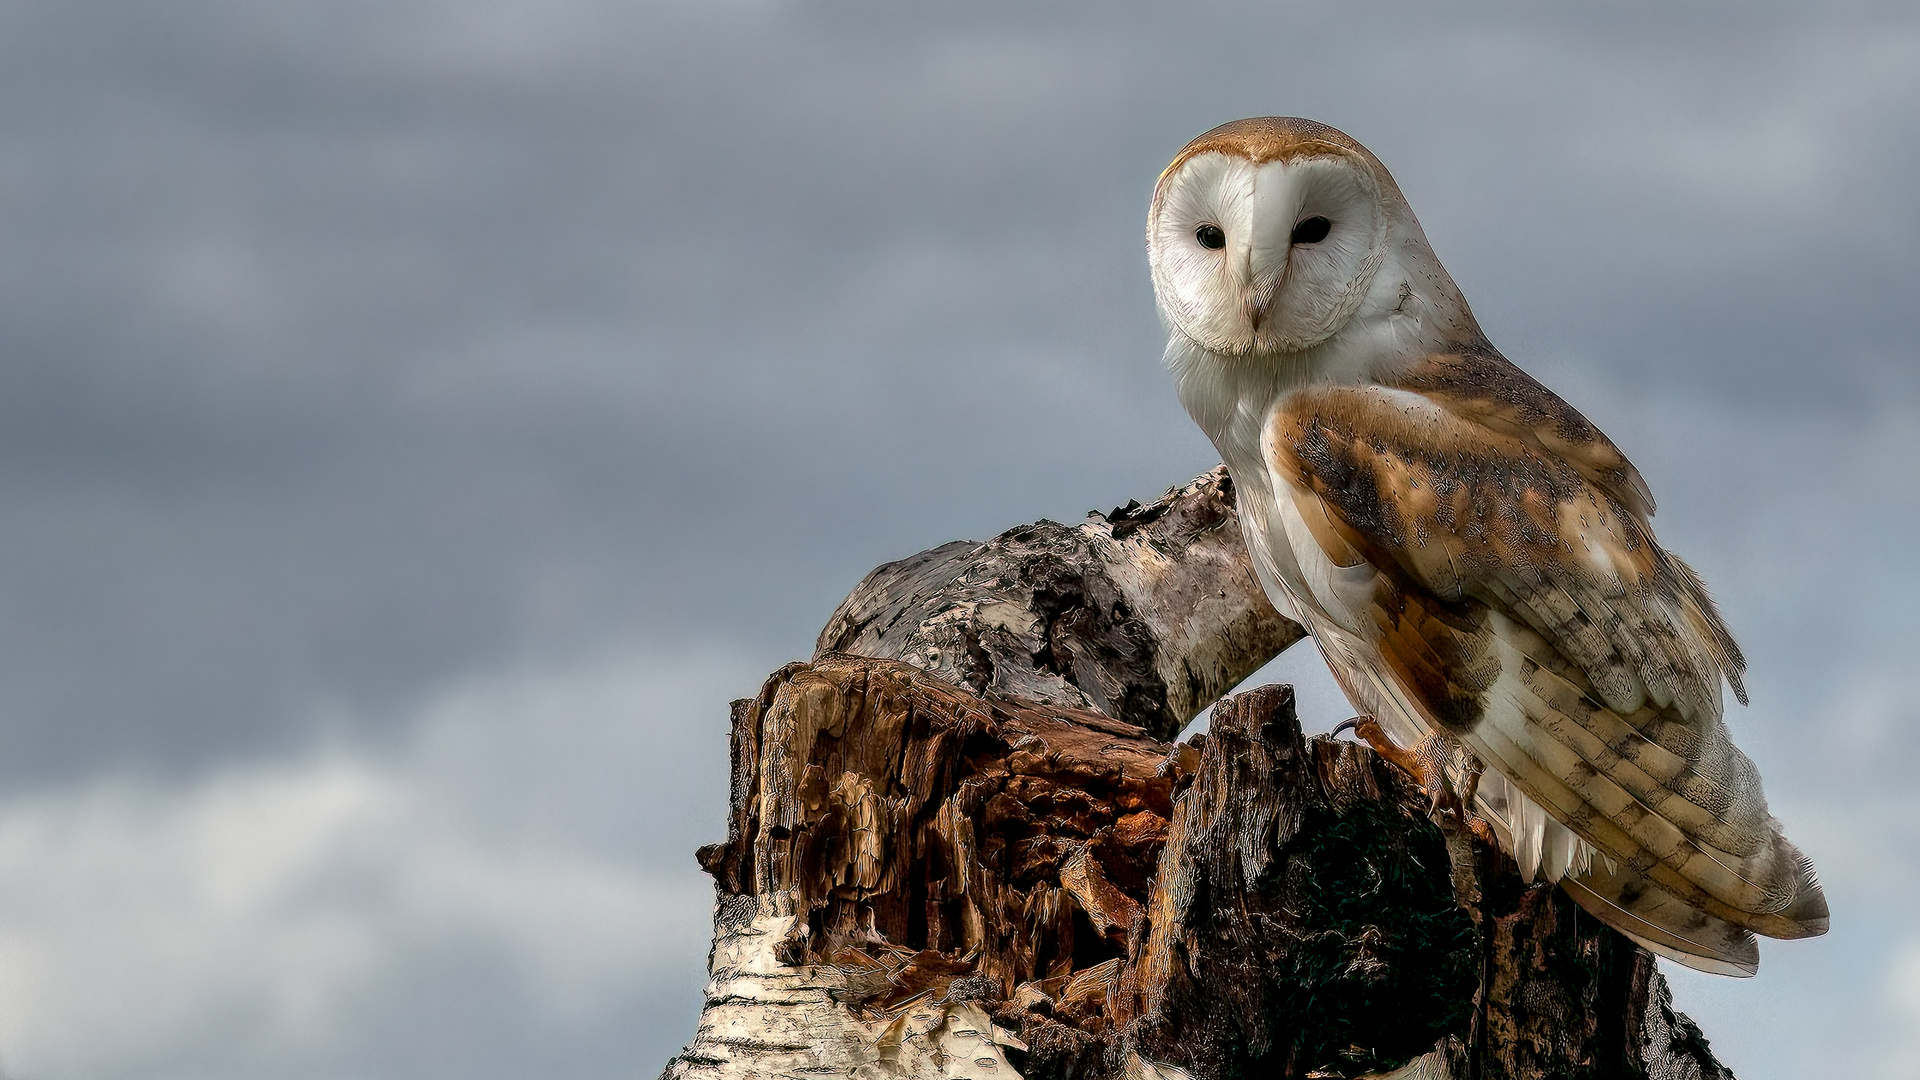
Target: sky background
418 419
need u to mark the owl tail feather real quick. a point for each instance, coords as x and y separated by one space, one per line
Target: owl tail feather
1618 897
1664 925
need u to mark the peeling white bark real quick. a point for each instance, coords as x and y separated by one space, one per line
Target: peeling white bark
764 1018
767 1019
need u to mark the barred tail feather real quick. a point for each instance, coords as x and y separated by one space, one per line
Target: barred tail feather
1664 924
1627 902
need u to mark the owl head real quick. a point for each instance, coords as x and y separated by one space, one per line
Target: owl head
1276 235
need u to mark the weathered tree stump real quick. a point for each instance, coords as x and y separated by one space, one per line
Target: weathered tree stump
1148 614
969 851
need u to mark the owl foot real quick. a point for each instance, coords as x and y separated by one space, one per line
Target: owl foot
1369 731
1470 786
1427 764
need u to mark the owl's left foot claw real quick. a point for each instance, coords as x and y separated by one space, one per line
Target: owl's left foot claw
1427 765
1474 823
1482 831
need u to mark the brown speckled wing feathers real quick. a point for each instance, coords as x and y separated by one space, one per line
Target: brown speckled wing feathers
1523 605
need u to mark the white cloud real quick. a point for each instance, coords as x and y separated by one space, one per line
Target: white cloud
152 915
1898 1049
245 920
1903 982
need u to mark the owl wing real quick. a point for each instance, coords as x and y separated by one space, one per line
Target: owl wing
1492 558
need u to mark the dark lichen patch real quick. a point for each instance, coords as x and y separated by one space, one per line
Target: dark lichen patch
1385 963
1350 957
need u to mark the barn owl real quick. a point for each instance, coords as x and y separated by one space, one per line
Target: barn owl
1472 556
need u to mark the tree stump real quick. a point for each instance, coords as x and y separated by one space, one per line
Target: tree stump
960 844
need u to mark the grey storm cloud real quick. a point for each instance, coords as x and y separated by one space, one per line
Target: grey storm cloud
418 418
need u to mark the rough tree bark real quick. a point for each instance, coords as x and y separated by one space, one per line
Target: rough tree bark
960 844
1148 614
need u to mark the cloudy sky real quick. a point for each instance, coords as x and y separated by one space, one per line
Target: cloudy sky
419 418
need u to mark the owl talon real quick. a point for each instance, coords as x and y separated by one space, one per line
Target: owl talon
1470 786
1427 765
1482 831
1369 731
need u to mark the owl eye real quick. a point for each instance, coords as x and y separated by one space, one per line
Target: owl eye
1311 231
1210 237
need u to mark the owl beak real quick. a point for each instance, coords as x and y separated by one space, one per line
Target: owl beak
1266 271
1259 303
